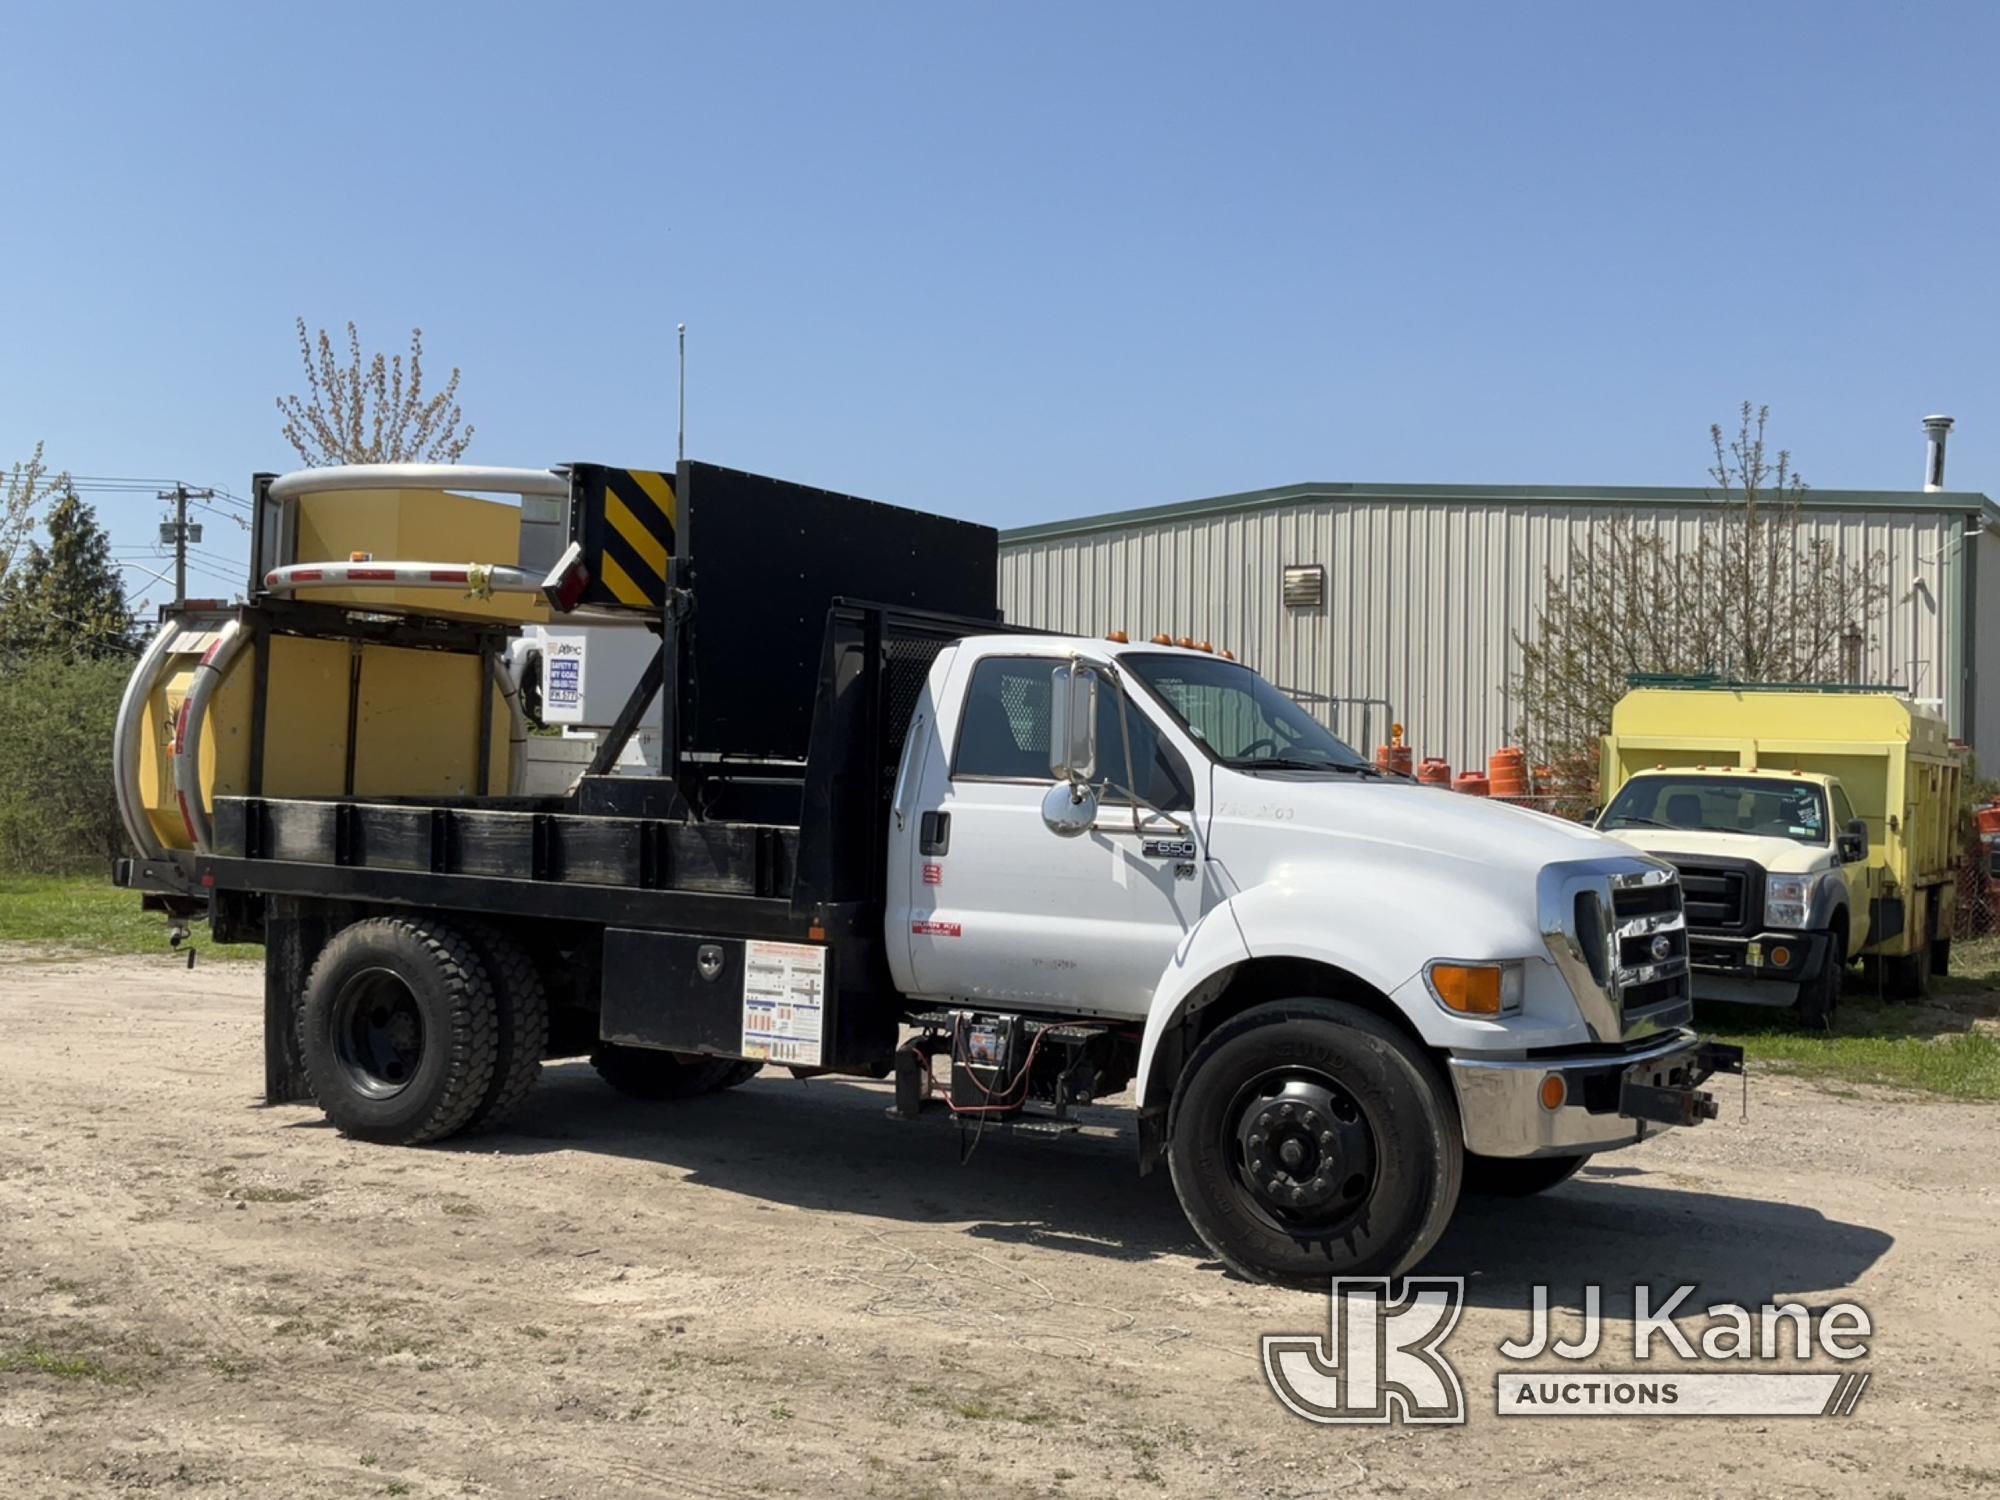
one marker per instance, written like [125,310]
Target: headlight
[1475,989]
[1787,898]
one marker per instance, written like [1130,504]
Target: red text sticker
[935,929]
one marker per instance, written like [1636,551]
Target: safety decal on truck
[784,1001]
[933,874]
[936,929]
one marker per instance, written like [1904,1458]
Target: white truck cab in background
[1349,991]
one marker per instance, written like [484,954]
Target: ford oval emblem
[1662,946]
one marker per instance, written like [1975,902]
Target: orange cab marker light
[1162,639]
[1119,637]
[1554,1092]
[1469,989]
[816,932]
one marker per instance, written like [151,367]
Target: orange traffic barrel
[1472,784]
[1989,818]
[1507,770]
[1434,771]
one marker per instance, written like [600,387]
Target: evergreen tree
[64,597]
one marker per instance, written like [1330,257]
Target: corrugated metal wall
[1424,601]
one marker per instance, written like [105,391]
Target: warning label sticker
[784,1001]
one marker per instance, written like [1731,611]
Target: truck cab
[1812,824]
[1775,874]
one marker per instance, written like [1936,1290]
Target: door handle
[934,833]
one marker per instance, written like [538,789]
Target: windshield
[1239,717]
[1721,804]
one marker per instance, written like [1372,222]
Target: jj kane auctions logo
[1382,1359]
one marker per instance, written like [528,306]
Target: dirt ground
[777,1291]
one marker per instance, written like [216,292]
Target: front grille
[1715,898]
[1649,936]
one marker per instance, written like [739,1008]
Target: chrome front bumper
[1609,1099]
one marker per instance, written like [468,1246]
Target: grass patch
[33,1359]
[79,914]
[1930,1049]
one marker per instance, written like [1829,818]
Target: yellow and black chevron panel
[625,520]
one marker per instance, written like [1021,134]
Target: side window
[1162,779]
[1004,731]
[1843,810]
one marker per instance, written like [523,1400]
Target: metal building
[1402,602]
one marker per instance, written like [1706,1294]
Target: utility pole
[681,444]
[178,533]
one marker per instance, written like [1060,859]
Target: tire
[1819,998]
[658,1077]
[521,1002]
[1909,977]
[739,1072]
[1365,1102]
[398,1030]
[1518,1177]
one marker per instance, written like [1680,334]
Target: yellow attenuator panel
[415,526]
[416,726]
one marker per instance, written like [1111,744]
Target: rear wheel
[521,1005]
[650,1074]
[1307,1139]
[398,1030]
[1518,1177]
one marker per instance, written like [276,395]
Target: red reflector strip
[209,655]
[371,575]
[449,575]
[208,878]
[186,817]
[180,726]
[305,575]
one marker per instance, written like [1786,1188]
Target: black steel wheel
[1311,1138]
[398,1030]
[1518,1176]
[1305,1155]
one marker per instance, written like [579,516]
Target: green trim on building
[1969,502]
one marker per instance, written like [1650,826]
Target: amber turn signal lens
[1554,1092]
[1782,957]
[1472,990]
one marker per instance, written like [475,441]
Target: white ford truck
[1018,873]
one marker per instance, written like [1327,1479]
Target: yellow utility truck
[1811,826]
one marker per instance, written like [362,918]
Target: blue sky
[1015,262]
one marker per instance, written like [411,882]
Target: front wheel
[1308,1139]
[1819,996]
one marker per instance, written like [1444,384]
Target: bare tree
[1754,598]
[375,414]
[27,486]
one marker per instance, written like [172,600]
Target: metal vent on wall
[1305,585]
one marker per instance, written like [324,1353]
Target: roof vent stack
[1936,430]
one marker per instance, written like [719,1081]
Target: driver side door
[1009,912]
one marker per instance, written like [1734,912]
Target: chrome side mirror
[1073,724]
[1070,808]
